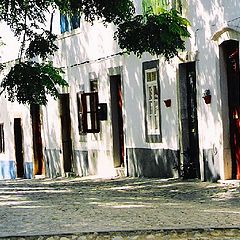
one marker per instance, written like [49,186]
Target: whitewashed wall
[207,18]
[91,49]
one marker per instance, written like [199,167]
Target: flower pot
[207,99]
[167,102]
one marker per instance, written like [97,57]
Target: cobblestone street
[127,208]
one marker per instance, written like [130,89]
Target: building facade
[124,115]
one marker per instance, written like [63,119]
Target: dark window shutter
[80,112]
[75,21]
[90,120]
[2,143]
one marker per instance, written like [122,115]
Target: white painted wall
[9,112]
[208,17]
[91,49]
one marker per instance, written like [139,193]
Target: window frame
[150,136]
[69,23]
[88,111]
[2,140]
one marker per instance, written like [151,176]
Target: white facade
[90,53]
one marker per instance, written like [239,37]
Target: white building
[157,118]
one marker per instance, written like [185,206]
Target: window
[67,23]
[80,113]
[88,112]
[94,85]
[152,101]
[2,143]
[155,5]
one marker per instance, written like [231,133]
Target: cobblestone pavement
[119,209]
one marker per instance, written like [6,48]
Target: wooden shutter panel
[2,144]
[90,120]
[80,112]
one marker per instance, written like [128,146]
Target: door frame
[230,163]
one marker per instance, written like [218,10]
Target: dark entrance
[117,120]
[37,140]
[230,50]
[66,132]
[188,121]
[18,147]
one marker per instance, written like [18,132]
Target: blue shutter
[64,24]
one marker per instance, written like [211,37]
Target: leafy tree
[159,34]
[159,31]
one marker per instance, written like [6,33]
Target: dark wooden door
[231,56]
[66,132]
[37,140]
[117,120]
[189,122]
[18,140]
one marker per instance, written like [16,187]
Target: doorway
[18,141]
[189,143]
[66,132]
[230,59]
[117,120]
[37,140]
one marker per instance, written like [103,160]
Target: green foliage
[162,34]
[108,11]
[158,32]
[42,45]
[153,6]
[31,82]
[14,12]
[23,15]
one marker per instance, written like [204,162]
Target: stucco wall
[91,50]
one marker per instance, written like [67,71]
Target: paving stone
[82,238]
[65,238]
[50,238]
[46,207]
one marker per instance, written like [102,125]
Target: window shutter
[90,120]
[80,112]
[75,21]
[2,142]
[64,25]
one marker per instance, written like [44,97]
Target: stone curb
[159,234]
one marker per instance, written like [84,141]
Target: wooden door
[231,58]
[37,140]
[18,140]
[66,132]
[117,120]
[189,144]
